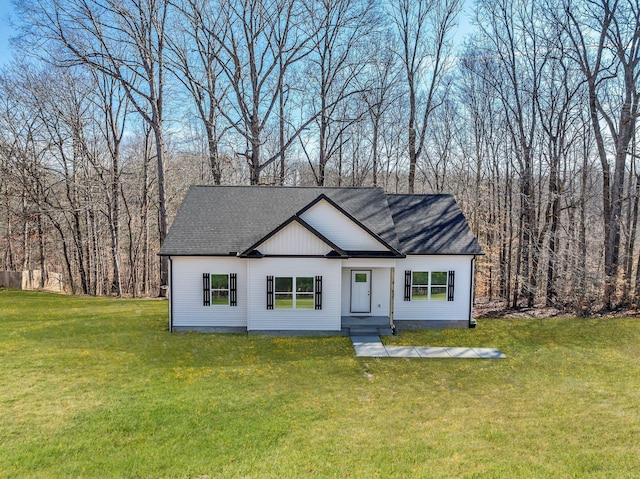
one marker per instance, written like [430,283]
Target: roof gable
[294,237]
[342,228]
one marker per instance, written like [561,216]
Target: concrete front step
[369,331]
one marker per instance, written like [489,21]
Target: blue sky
[6,9]
[5,32]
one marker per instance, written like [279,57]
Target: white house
[318,260]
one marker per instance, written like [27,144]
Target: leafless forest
[113,108]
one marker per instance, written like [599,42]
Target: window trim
[231,289]
[448,285]
[294,292]
[227,289]
[421,285]
[281,293]
[315,295]
[444,285]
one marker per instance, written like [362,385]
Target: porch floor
[371,347]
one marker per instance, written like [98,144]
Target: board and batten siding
[294,239]
[340,229]
[262,319]
[456,310]
[187,297]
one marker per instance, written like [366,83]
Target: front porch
[365,325]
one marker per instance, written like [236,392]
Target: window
[284,293]
[301,292]
[294,293]
[304,293]
[420,286]
[429,286]
[219,289]
[438,286]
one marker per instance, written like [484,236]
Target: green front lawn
[98,388]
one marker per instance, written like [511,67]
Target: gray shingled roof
[431,224]
[219,220]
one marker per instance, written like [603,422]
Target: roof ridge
[418,194]
[291,187]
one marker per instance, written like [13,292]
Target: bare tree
[196,61]
[382,73]
[23,166]
[112,103]
[510,33]
[125,41]
[337,61]
[424,32]
[559,111]
[605,40]
[260,41]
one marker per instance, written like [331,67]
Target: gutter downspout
[472,322]
[170,295]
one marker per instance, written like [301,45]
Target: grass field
[98,388]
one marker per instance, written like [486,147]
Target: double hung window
[294,292]
[429,285]
[438,286]
[219,289]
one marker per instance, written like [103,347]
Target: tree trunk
[630,249]
[114,226]
[162,210]
[43,271]
[413,157]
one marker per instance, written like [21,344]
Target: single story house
[318,261]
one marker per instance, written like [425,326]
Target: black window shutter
[318,294]
[452,275]
[206,290]
[233,289]
[269,292]
[407,285]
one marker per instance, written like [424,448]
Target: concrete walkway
[372,347]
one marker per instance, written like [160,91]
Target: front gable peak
[341,228]
[292,238]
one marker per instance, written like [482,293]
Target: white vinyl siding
[339,229]
[186,292]
[187,300]
[294,239]
[261,318]
[456,310]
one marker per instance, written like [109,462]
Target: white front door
[360,291]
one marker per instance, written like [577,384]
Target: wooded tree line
[114,107]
